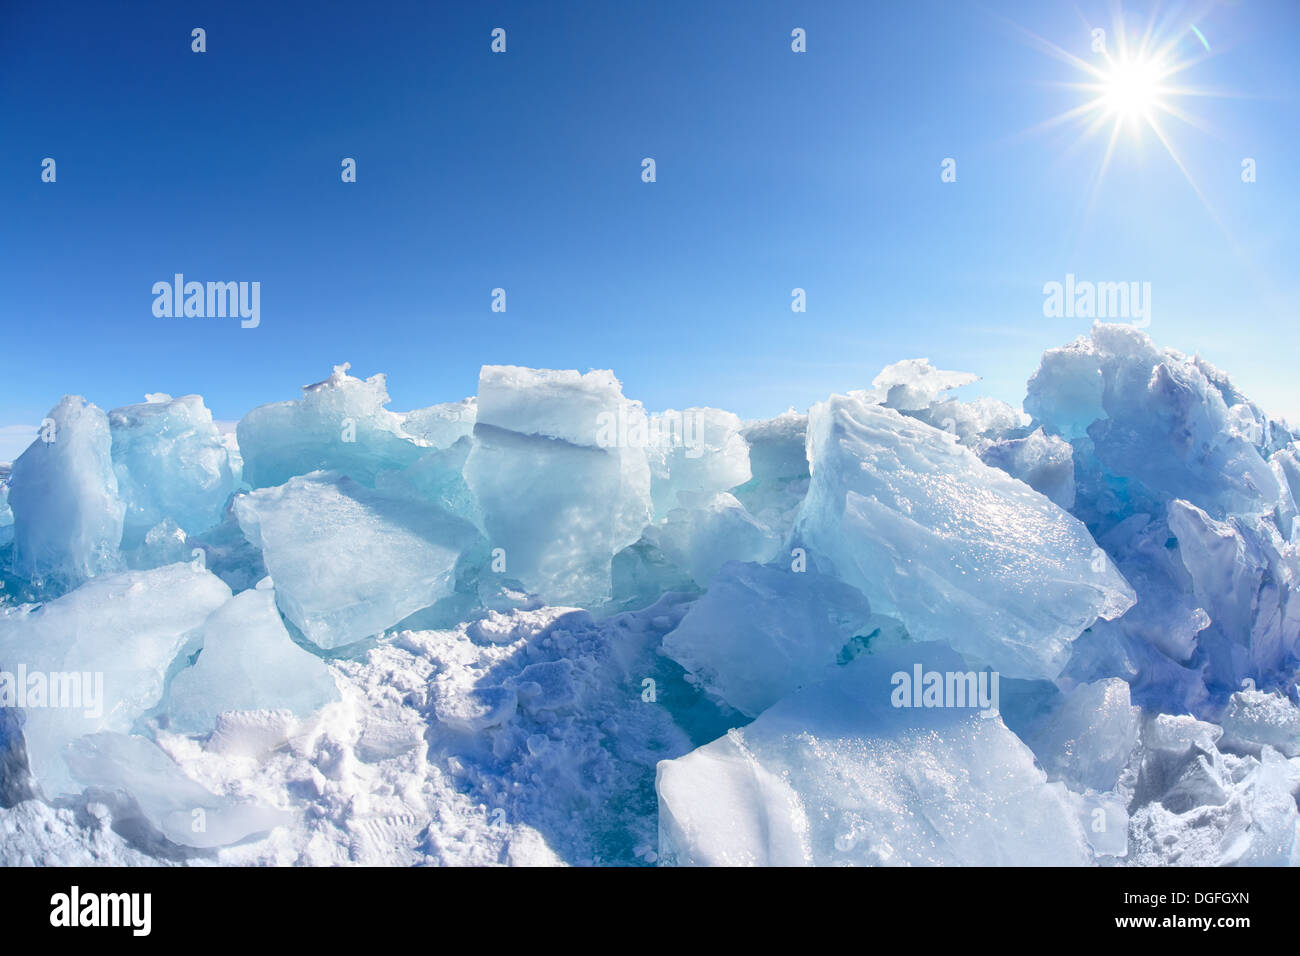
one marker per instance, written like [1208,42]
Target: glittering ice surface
[957,550]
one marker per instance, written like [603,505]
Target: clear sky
[523,170]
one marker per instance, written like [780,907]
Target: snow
[180,809]
[1198,806]
[400,770]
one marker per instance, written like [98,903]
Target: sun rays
[1135,85]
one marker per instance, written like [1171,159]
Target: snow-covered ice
[542,625]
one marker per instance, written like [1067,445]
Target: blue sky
[775,170]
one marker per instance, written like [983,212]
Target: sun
[1133,86]
[1131,90]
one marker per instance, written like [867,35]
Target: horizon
[16,439]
